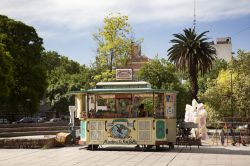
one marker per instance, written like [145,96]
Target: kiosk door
[145,131]
[96,131]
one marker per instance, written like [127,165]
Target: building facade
[223,48]
[137,59]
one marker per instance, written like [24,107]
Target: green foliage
[183,97]
[105,76]
[162,75]
[57,91]
[148,106]
[241,83]
[217,95]
[229,93]
[159,73]
[25,47]
[64,76]
[115,45]
[51,60]
[6,74]
[212,117]
[192,53]
[217,66]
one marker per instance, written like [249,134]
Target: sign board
[170,106]
[123,96]
[72,108]
[124,74]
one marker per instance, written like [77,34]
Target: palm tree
[192,53]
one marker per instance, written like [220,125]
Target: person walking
[222,137]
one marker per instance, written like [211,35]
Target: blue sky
[66,26]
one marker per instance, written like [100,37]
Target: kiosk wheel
[158,147]
[149,146]
[92,147]
[171,145]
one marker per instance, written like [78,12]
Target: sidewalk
[78,155]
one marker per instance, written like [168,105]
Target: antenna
[194,21]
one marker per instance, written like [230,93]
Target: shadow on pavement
[181,149]
[131,148]
[217,150]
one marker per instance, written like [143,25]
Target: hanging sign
[124,74]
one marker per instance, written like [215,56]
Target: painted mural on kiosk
[119,132]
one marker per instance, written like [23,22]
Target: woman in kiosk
[142,112]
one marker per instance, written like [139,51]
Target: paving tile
[206,155]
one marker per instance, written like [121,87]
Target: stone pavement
[79,156]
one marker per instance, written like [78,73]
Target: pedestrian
[222,137]
[233,137]
[142,111]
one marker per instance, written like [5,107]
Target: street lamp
[231,97]
[72,112]
[231,100]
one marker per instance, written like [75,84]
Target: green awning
[124,90]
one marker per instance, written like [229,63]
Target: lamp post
[231,100]
[231,105]
[72,112]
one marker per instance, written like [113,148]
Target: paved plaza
[78,155]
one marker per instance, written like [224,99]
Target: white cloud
[47,34]
[221,9]
[67,25]
[78,14]
[52,17]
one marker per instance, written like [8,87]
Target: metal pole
[72,111]
[231,100]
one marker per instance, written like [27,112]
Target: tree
[25,47]
[114,42]
[64,76]
[228,95]
[217,96]
[159,73]
[6,74]
[241,84]
[115,45]
[162,75]
[192,52]
[51,60]
[217,66]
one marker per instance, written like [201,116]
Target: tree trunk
[111,60]
[194,87]
[193,80]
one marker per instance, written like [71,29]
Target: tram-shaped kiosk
[126,113]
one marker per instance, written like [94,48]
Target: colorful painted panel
[170,105]
[119,131]
[160,129]
[83,130]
